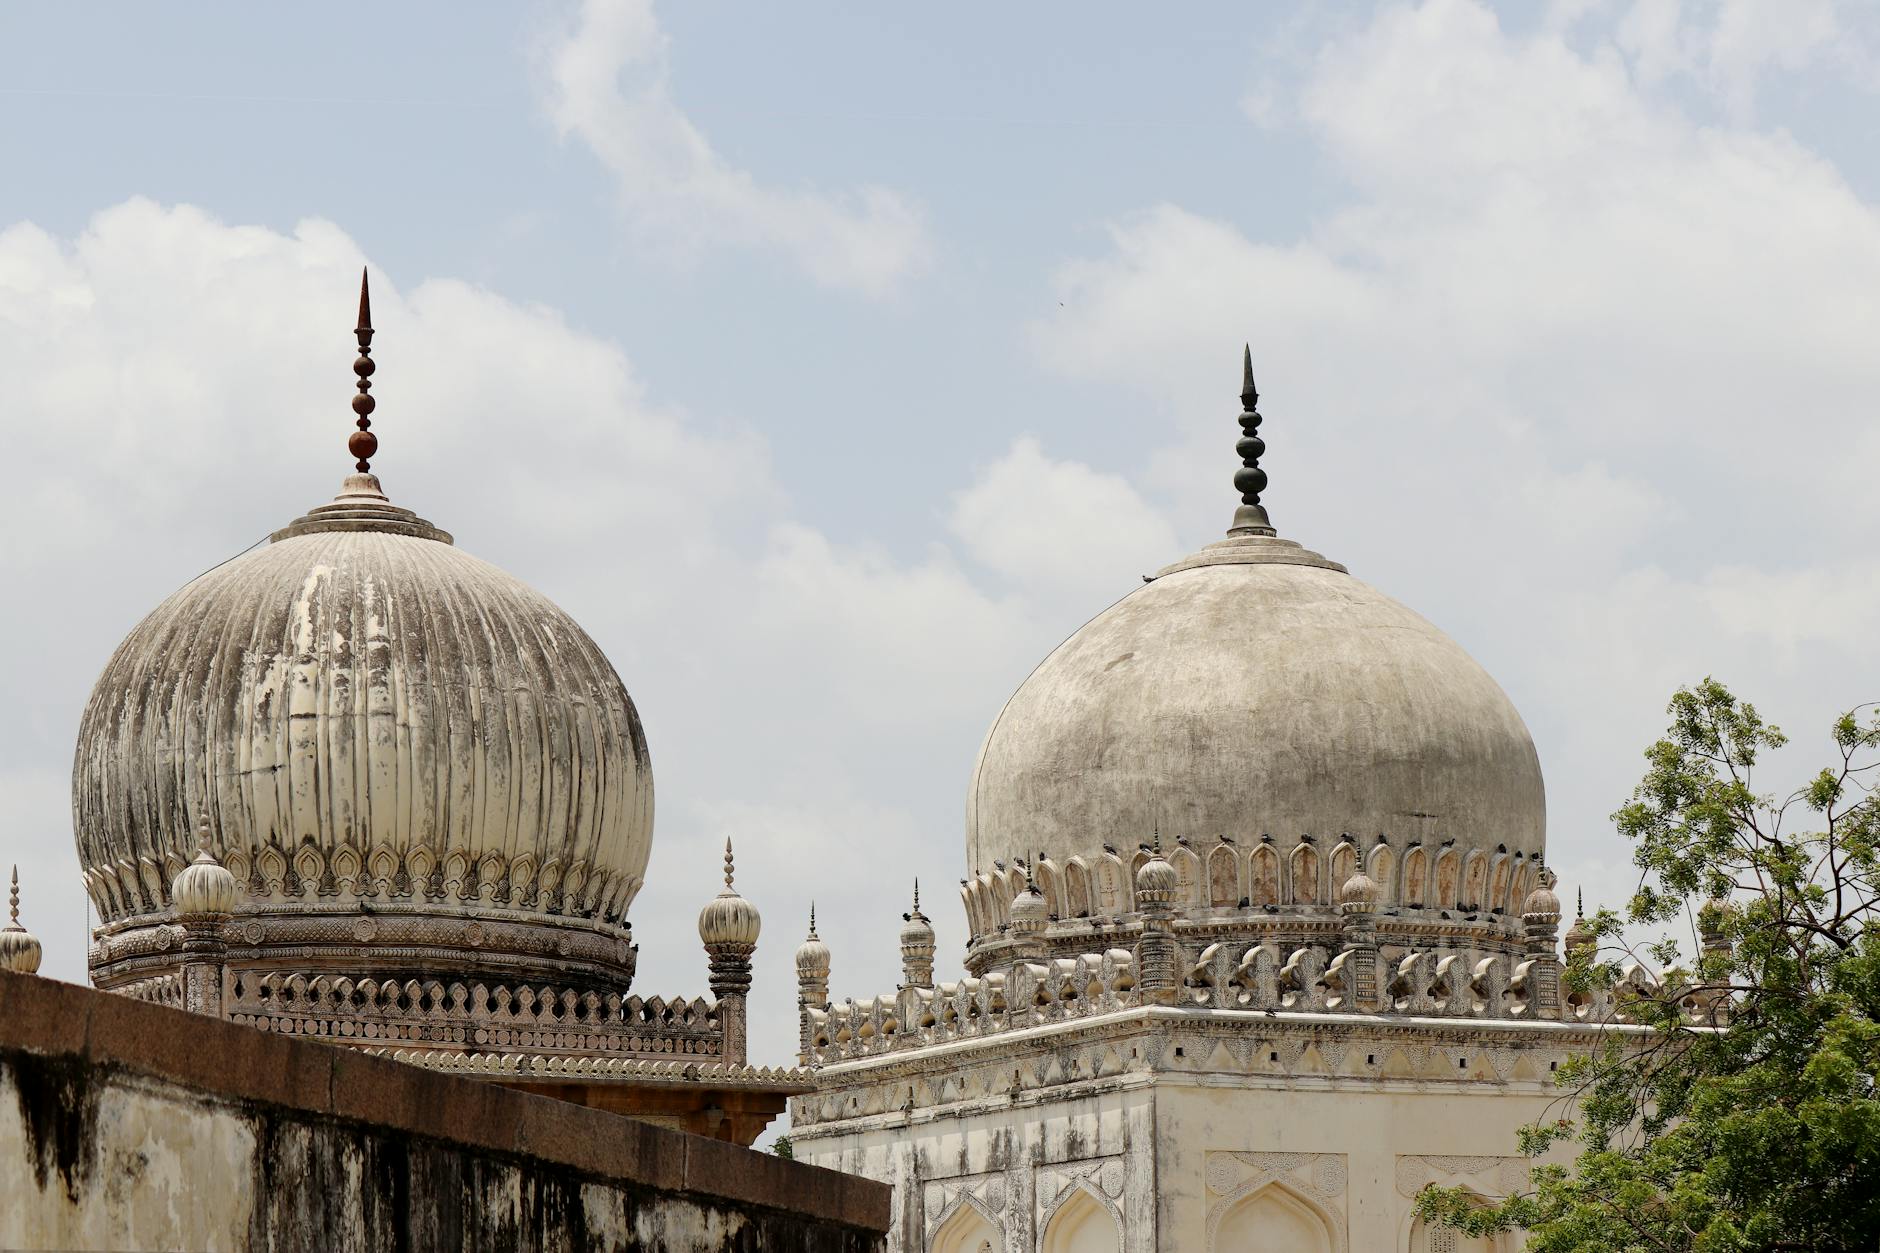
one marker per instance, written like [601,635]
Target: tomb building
[1262,937]
[358,785]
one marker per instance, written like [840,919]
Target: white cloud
[1583,379]
[1057,525]
[1731,46]
[607,84]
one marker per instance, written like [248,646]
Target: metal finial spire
[13,903]
[812,920]
[730,869]
[363,443]
[1579,906]
[917,895]
[1250,479]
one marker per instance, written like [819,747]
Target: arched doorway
[1082,1224]
[1273,1220]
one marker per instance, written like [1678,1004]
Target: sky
[830,364]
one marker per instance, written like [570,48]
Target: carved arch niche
[1082,1223]
[1076,889]
[968,1229]
[1273,1219]
[1483,1176]
[1276,1202]
[1113,895]
[1223,876]
[1264,872]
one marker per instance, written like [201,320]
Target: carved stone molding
[422,873]
[1489,1176]
[526,1019]
[449,943]
[1318,1178]
[1101,1177]
[989,1193]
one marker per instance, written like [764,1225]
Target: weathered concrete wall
[132,1126]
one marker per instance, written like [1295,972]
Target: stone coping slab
[240,1064]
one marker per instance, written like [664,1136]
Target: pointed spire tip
[365,302]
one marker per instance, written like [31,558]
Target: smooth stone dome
[365,712]
[1254,688]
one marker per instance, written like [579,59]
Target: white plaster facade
[1189,1130]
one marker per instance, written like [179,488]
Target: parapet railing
[159,990]
[1028,994]
[1431,984]
[525,1019]
[636,1069]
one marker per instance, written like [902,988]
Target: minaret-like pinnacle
[917,897]
[812,920]
[19,948]
[363,443]
[1250,479]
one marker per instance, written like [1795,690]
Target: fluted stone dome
[728,921]
[812,956]
[1030,912]
[376,725]
[916,932]
[1255,688]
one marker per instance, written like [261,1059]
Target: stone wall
[135,1126]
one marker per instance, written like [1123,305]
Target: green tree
[1741,1112]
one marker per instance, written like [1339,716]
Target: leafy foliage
[1741,1113]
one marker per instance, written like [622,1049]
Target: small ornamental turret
[917,946]
[1540,915]
[1357,903]
[812,981]
[1580,935]
[1358,895]
[19,948]
[728,926]
[203,894]
[1713,928]
[1157,886]
[1031,914]
[204,887]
